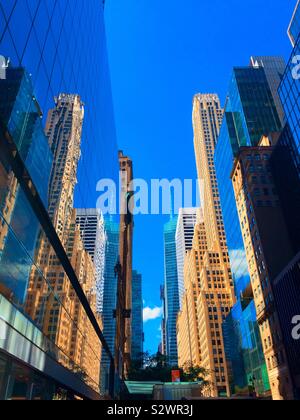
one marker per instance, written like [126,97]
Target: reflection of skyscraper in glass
[59,53]
[289,91]
[21,116]
[184,242]
[69,329]
[250,112]
[171,290]
[92,231]
[137,337]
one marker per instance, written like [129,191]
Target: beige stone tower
[209,266]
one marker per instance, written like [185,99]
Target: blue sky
[161,53]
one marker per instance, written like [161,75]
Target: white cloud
[151,314]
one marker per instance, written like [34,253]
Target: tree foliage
[157,368]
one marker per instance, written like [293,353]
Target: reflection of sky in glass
[36,35]
[224,163]
[289,92]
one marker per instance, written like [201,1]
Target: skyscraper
[289,92]
[184,242]
[216,289]
[137,337]
[171,290]
[274,68]
[112,235]
[124,269]
[294,26]
[268,250]
[92,231]
[285,166]
[250,112]
[52,60]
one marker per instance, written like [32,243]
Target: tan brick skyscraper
[208,264]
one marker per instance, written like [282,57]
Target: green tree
[155,368]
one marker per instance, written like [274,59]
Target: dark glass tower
[250,112]
[109,296]
[171,290]
[289,92]
[55,49]
[137,337]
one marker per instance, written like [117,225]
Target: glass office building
[109,296]
[171,290]
[294,28]
[50,53]
[289,91]
[137,338]
[244,351]
[250,112]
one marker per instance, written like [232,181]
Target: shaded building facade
[268,250]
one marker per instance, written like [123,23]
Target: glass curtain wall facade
[289,91]
[112,235]
[294,27]
[250,111]
[51,54]
[171,290]
[244,351]
[137,337]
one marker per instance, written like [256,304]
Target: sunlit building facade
[215,284]
[250,112]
